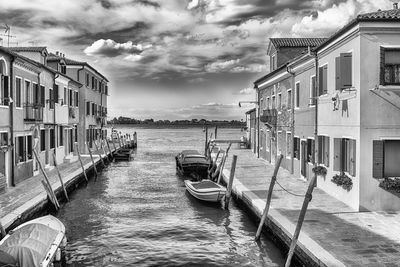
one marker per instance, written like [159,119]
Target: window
[36,97]
[63,69]
[65,96]
[272,62]
[297,95]
[51,98]
[312,91]
[343,71]
[106,89]
[386,158]
[20,150]
[268,103]
[390,66]
[273,102]
[288,144]
[323,80]
[42,140]
[87,80]
[42,96]
[310,150]
[18,93]
[28,98]
[4,89]
[3,139]
[323,150]
[61,136]
[52,139]
[344,155]
[93,109]
[76,99]
[87,108]
[289,99]
[92,82]
[279,101]
[71,100]
[76,133]
[30,147]
[296,143]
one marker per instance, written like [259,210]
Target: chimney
[395,6]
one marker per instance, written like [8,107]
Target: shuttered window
[296,143]
[4,92]
[297,95]
[42,95]
[289,99]
[323,80]
[344,159]
[76,99]
[51,99]
[87,108]
[390,66]
[386,158]
[36,96]
[42,140]
[343,71]
[18,86]
[56,93]
[312,91]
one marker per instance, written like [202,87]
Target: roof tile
[297,42]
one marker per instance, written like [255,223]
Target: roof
[297,42]
[391,15]
[39,49]
[250,111]
[272,73]
[68,61]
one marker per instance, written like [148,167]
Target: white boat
[206,190]
[34,243]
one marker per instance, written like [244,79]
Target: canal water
[138,213]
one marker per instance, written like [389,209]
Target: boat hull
[210,194]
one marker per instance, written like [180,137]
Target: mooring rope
[287,191]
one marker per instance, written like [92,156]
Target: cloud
[193,4]
[221,66]
[110,48]
[247,91]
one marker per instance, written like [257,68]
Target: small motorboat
[191,162]
[206,190]
[35,243]
[124,154]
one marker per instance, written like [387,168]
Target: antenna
[7,33]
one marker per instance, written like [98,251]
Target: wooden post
[108,145]
[59,177]
[303,211]
[221,170]
[104,151]
[269,196]
[115,148]
[206,142]
[91,157]
[119,140]
[98,152]
[135,138]
[48,184]
[130,141]
[50,194]
[216,131]
[216,157]
[230,184]
[80,160]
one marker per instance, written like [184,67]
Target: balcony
[269,116]
[33,112]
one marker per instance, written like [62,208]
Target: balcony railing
[33,112]
[269,116]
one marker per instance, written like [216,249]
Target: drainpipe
[84,111]
[316,146]
[56,134]
[11,110]
[292,73]
[258,120]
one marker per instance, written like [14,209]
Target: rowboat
[35,243]
[205,190]
[190,162]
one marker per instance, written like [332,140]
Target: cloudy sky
[176,59]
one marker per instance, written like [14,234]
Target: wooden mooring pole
[60,178]
[80,160]
[221,169]
[46,183]
[230,183]
[104,150]
[115,147]
[216,132]
[98,152]
[269,196]
[303,211]
[108,145]
[91,157]
[206,142]
[119,140]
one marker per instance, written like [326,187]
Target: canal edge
[307,252]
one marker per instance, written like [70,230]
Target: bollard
[46,183]
[98,152]
[230,184]
[303,211]
[269,196]
[94,164]
[59,177]
[80,160]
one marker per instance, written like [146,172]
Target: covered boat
[206,190]
[191,162]
[34,243]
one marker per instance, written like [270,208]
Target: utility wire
[291,193]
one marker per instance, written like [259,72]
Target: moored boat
[191,162]
[124,154]
[206,190]
[35,243]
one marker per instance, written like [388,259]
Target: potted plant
[343,180]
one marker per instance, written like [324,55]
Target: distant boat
[124,154]
[206,190]
[34,243]
[191,162]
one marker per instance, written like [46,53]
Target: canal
[138,213]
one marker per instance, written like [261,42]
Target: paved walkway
[332,232]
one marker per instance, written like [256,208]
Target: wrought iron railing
[33,112]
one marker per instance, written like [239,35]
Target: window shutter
[352,157]
[320,144]
[326,151]
[377,158]
[320,81]
[6,87]
[338,75]
[55,93]
[325,79]
[346,70]
[337,145]
[382,67]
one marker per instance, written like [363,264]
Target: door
[303,158]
